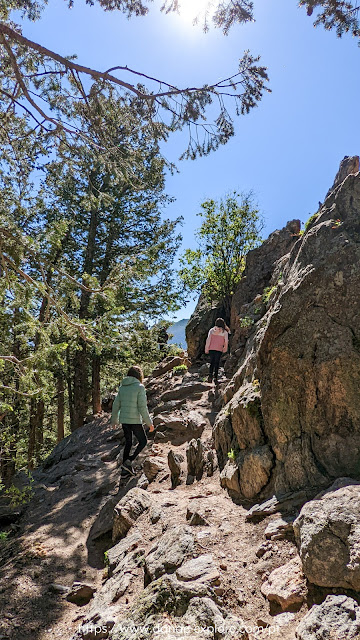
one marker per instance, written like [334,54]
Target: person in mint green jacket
[129,407]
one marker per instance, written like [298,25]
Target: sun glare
[190,10]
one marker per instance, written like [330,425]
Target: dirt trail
[53,543]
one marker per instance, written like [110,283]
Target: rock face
[292,416]
[338,617]
[348,166]
[328,535]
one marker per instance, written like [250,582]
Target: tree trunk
[8,464]
[39,426]
[60,406]
[81,386]
[81,360]
[32,434]
[96,395]
[36,434]
[69,387]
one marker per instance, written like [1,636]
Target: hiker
[129,407]
[216,344]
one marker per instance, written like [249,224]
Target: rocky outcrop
[338,617]
[292,418]
[328,535]
[348,166]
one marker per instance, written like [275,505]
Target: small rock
[229,477]
[201,568]
[264,548]
[143,482]
[155,514]
[58,588]
[195,516]
[174,462]
[152,466]
[279,529]
[80,593]
[286,585]
[262,624]
[121,549]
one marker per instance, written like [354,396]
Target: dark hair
[136,372]
[220,323]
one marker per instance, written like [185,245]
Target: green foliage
[19,496]
[310,221]
[245,322]
[4,536]
[233,453]
[175,350]
[181,368]
[229,229]
[267,293]
[106,559]
[332,14]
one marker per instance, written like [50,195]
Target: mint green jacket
[130,404]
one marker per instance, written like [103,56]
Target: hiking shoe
[127,468]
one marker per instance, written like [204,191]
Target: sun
[190,10]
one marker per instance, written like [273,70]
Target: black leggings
[140,435]
[214,362]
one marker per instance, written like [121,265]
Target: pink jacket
[217,340]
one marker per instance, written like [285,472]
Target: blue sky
[287,150]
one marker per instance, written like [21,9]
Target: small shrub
[309,222]
[232,455]
[19,496]
[181,368]
[267,293]
[246,322]
[175,350]
[4,536]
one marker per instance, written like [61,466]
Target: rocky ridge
[291,411]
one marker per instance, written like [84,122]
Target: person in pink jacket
[216,344]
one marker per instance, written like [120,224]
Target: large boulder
[302,359]
[327,532]
[338,618]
